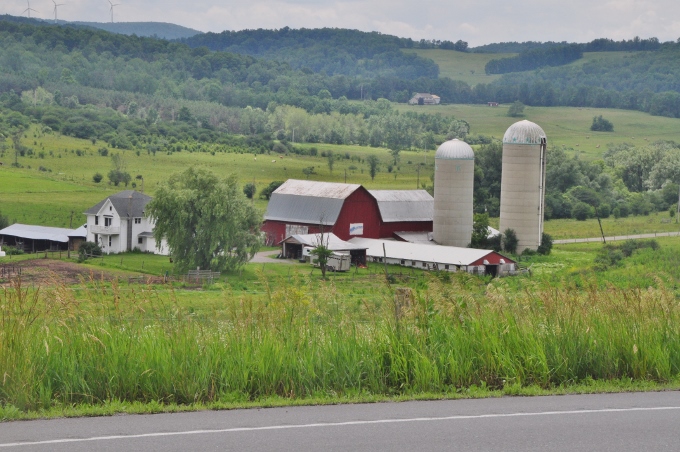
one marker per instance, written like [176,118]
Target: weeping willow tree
[207,221]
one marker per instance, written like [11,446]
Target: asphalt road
[616,422]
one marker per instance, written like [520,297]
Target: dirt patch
[40,272]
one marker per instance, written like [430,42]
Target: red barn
[404,211]
[346,210]
[304,207]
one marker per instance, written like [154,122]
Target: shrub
[516,109]
[546,244]
[600,124]
[13,251]
[249,190]
[88,249]
[510,241]
[97,178]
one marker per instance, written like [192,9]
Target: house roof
[308,202]
[128,204]
[450,255]
[80,232]
[330,240]
[404,205]
[32,232]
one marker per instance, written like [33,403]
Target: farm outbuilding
[298,246]
[436,257]
[31,238]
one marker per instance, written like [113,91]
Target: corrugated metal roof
[454,150]
[524,132]
[447,255]
[332,241]
[424,238]
[317,189]
[128,204]
[303,209]
[28,231]
[404,205]
[80,232]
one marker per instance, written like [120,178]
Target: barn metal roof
[80,232]
[308,202]
[317,189]
[32,232]
[454,150]
[524,132]
[332,241]
[450,255]
[128,204]
[404,205]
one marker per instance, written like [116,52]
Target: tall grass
[296,342]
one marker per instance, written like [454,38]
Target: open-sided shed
[33,238]
[292,247]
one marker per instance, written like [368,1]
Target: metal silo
[523,183]
[454,172]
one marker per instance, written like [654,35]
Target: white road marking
[335,424]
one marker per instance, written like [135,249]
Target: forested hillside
[161,30]
[327,50]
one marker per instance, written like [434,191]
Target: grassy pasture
[469,67]
[564,126]
[565,325]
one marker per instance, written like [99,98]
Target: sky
[476,22]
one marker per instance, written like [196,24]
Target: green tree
[97,178]
[601,124]
[546,244]
[249,190]
[510,241]
[207,221]
[480,231]
[330,157]
[4,221]
[267,191]
[373,163]
[322,253]
[516,109]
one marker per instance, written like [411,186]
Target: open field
[565,126]
[469,67]
[569,324]
[466,67]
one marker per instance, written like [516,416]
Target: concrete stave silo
[453,193]
[523,183]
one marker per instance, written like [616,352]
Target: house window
[107,221]
[140,240]
[446,267]
[109,240]
[138,221]
[96,220]
[413,263]
[424,264]
[403,262]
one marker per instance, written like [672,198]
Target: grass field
[469,67]
[565,126]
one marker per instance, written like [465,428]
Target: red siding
[359,207]
[493,258]
[387,230]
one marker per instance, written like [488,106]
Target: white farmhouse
[119,223]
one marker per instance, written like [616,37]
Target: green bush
[546,244]
[88,249]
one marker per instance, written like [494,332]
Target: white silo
[523,183]
[454,173]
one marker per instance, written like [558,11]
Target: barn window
[403,262]
[413,263]
[424,264]
[446,267]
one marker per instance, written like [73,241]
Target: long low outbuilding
[437,257]
[32,238]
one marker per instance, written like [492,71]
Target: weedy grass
[301,340]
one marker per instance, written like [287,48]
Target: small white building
[119,224]
[424,99]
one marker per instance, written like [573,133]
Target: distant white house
[424,99]
[119,223]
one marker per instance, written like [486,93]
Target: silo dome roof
[455,150]
[524,132]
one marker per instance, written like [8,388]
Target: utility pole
[678,212]
[345,175]
[418,180]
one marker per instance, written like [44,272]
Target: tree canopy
[207,221]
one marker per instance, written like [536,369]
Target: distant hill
[161,30]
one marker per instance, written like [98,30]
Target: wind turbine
[55,9]
[29,9]
[112,5]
